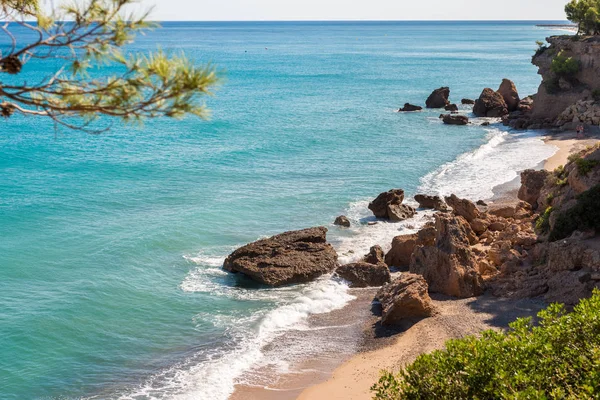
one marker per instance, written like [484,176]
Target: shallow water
[111,245]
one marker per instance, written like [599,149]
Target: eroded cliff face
[556,93]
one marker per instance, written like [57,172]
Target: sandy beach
[567,144]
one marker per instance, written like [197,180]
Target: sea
[111,244]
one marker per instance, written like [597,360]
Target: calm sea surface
[111,245]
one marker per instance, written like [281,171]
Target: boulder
[467,101]
[438,98]
[431,202]
[405,297]
[532,183]
[375,256]
[506,211]
[364,274]
[410,107]
[449,265]
[287,258]
[451,107]
[401,251]
[509,93]
[342,220]
[490,104]
[388,205]
[463,207]
[450,119]
[479,225]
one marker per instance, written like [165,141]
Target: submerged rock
[438,98]
[405,297]
[467,101]
[290,257]
[451,107]
[410,107]
[342,220]
[450,119]
[490,104]
[388,205]
[364,274]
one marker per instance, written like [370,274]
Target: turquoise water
[110,245]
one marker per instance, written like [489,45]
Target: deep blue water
[110,245]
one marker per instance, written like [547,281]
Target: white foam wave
[215,376]
[473,175]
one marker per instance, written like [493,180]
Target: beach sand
[567,143]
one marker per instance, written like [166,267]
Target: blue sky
[201,10]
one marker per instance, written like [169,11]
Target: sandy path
[457,318]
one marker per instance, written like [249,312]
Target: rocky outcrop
[532,182]
[287,258]
[583,112]
[452,119]
[405,297]
[556,93]
[463,207]
[401,251]
[342,220]
[451,108]
[509,93]
[438,98]
[388,205]
[448,265]
[375,256]
[410,107]
[490,104]
[467,101]
[431,202]
[364,274]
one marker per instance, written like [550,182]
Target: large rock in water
[388,205]
[509,93]
[410,107]
[532,182]
[438,98]
[449,266]
[434,202]
[363,274]
[405,297]
[450,119]
[290,257]
[375,255]
[490,104]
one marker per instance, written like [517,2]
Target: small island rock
[450,119]
[438,98]
[410,107]
[342,220]
[388,205]
[509,93]
[490,104]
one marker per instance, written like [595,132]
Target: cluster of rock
[496,104]
[388,205]
[583,112]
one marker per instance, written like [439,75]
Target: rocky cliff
[561,88]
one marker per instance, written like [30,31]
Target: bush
[558,359]
[542,223]
[583,216]
[564,66]
[541,48]
[596,94]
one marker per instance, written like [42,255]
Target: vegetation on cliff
[585,215]
[559,358]
[586,14]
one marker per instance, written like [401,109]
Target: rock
[509,93]
[364,274]
[401,251]
[485,123]
[431,202]
[463,207]
[481,203]
[502,252]
[449,266]
[490,104]
[503,211]
[342,220]
[450,119]
[531,184]
[388,205]
[467,101]
[438,98]
[479,225]
[497,226]
[451,107]
[290,257]
[409,107]
[375,256]
[405,297]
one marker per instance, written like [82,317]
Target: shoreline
[350,374]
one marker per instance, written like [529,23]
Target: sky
[235,10]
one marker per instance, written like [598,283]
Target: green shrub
[596,94]
[583,216]
[564,66]
[541,48]
[557,359]
[542,224]
[585,166]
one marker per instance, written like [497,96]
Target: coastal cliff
[561,88]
